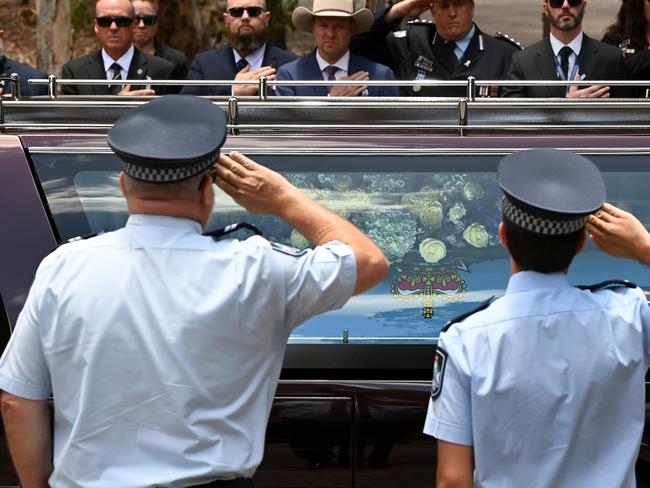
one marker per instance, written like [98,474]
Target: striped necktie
[117,75]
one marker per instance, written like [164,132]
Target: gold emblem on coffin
[425,282]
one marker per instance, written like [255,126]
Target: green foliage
[81,15]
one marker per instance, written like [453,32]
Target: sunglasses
[119,21]
[147,20]
[559,3]
[239,11]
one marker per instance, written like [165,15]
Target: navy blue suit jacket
[9,66]
[219,64]
[306,68]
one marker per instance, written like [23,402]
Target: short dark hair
[539,252]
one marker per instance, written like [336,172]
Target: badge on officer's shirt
[439,364]
[291,251]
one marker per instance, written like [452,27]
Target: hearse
[417,175]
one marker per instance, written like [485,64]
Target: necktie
[117,75]
[240,65]
[565,52]
[330,74]
[451,45]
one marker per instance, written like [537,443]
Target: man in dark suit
[247,56]
[9,66]
[452,48]
[118,59]
[145,39]
[568,54]
[333,22]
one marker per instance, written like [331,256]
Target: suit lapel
[545,63]
[228,63]
[313,72]
[443,56]
[139,68]
[471,57]
[356,64]
[96,71]
[588,57]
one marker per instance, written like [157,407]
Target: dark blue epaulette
[509,39]
[219,233]
[608,284]
[463,316]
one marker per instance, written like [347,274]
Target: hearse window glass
[435,219]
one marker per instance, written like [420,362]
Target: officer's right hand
[619,233]
[253,186]
[248,74]
[408,9]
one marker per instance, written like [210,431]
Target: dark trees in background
[181,26]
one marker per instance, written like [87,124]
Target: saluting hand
[348,90]
[248,74]
[619,233]
[408,9]
[258,189]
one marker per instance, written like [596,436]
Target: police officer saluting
[161,346]
[451,48]
[545,385]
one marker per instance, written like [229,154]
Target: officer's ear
[581,243]
[123,184]
[205,189]
[503,239]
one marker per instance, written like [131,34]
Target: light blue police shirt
[547,385]
[162,349]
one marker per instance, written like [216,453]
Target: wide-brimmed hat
[303,18]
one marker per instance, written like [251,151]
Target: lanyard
[560,73]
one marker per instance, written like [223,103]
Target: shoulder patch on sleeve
[439,365]
[284,249]
[463,316]
[399,34]
[509,39]
[608,284]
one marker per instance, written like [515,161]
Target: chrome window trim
[356,151]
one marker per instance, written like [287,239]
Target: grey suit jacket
[91,67]
[598,61]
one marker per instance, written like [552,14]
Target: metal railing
[274,114]
[472,85]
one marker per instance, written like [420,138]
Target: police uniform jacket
[485,58]
[546,385]
[598,61]
[91,67]
[162,348]
[637,58]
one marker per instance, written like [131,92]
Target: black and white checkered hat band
[541,225]
[167,175]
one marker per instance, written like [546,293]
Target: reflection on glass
[438,229]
